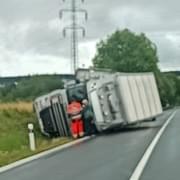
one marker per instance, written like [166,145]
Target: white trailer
[123,99]
[139,96]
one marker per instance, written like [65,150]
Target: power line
[74,28]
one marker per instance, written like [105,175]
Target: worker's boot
[75,136]
[81,134]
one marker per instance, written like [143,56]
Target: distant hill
[5,81]
[29,87]
[173,72]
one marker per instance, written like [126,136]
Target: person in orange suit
[74,110]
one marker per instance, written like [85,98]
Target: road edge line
[42,154]
[144,160]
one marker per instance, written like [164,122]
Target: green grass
[14,136]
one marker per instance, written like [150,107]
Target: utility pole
[74,28]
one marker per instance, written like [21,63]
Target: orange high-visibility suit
[74,110]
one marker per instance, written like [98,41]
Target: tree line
[30,88]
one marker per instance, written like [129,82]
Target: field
[14,118]
[18,106]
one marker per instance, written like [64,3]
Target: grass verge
[14,144]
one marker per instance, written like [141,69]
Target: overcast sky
[31,41]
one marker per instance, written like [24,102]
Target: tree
[167,88]
[172,88]
[126,51]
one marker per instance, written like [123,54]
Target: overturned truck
[117,99]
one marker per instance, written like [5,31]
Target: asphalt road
[107,157]
[164,163]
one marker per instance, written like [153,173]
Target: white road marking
[144,160]
[40,155]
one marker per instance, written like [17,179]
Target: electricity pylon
[74,28]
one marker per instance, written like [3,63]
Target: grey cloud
[33,26]
[168,49]
[20,10]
